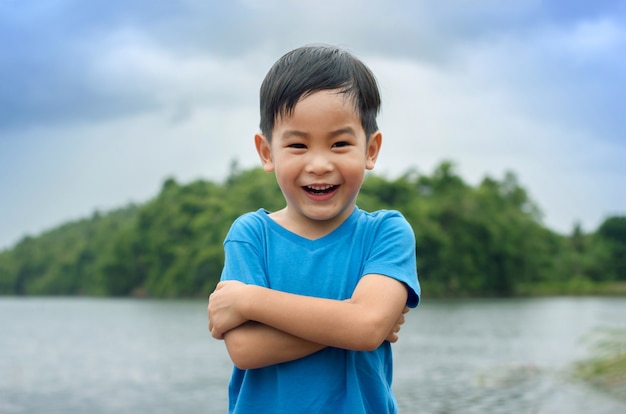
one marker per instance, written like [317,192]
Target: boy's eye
[297,146]
[340,144]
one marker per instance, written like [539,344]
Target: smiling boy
[312,295]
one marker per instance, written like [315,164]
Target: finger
[406,310]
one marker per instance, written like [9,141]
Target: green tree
[486,239]
[611,235]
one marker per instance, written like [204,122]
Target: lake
[67,355]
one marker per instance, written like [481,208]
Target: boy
[312,295]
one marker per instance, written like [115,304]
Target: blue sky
[101,101]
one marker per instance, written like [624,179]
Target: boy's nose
[318,164]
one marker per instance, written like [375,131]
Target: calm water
[142,356]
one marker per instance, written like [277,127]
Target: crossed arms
[261,326]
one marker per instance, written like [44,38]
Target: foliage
[486,239]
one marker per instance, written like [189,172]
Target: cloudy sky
[100,101]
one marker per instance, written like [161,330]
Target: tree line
[482,240]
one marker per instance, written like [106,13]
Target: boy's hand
[224,308]
[393,335]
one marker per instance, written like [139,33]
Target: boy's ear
[373,149]
[264,150]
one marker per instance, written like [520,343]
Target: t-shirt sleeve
[243,261]
[393,254]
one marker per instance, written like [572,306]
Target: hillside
[484,240]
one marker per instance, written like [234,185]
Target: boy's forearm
[254,345]
[361,323]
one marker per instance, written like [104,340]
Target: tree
[612,236]
[470,240]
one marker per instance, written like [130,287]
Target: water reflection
[501,356]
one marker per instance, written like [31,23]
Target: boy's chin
[322,215]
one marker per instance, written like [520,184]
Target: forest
[485,240]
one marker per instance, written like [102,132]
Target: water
[134,356]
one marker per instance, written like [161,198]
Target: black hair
[310,69]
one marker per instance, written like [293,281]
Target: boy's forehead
[327,100]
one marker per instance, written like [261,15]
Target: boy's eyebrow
[341,131]
[301,134]
[294,133]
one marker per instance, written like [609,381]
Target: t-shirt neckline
[344,229]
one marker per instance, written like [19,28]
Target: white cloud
[594,39]
[431,114]
[133,64]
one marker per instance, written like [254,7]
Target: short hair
[315,68]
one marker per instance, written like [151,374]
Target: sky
[101,101]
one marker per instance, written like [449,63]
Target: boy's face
[319,155]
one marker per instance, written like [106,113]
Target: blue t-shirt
[259,251]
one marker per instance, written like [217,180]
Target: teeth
[319,187]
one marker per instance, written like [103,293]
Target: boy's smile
[319,154]
[321,192]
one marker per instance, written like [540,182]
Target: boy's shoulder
[381,216]
[253,216]
[248,223]
[381,223]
